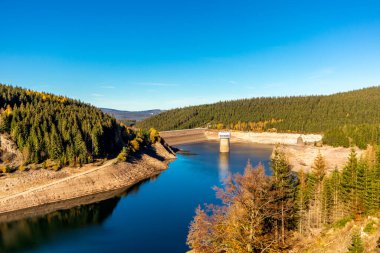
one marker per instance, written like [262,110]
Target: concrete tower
[224,142]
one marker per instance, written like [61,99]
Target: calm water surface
[152,217]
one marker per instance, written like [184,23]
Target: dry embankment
[267,138]
[25,190]
[177,137]
[300,156]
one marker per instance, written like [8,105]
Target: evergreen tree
[350,184]
[319,171]
[357,245]
[339,117]
[45,126]
[284,188]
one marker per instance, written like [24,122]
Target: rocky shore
[301,149]
[36,189]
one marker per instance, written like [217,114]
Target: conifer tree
[45,126]
[319,170]
[284,187]
[350,183]
[357,245]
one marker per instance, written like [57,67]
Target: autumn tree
[241,225]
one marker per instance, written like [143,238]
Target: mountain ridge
[345,118]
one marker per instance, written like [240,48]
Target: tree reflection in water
[31,232]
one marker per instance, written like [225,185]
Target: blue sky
[141,54]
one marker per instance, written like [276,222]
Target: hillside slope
[345,118]
[48,127]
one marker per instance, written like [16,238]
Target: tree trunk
[282,224]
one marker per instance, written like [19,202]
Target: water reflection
[22,234]
[224,165]
[154,217]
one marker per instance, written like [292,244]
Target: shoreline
[93,185]
[41,210]
[178,137]
[300,155]
[51,191]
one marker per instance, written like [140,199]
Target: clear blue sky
[141,54]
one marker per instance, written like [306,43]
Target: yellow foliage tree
[135,145]
[154,135]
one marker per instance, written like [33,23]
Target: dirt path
[41,187]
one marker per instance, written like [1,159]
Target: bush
[135,145]
[154,136]
[123,155]
[56,167]
[370,228]
[22,168]
[5,169]
[342,222]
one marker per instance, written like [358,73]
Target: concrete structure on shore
[224,142]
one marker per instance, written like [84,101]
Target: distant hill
[345,118]
[131,116]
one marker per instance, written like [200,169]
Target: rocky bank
[32,189]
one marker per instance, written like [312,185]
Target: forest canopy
[348,118]
[45,126]
[271,213]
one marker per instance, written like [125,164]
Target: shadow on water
[31,232]
[27,233]
[186,153]
[154,217]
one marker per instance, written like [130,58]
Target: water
[152,217]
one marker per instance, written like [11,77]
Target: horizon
[140,56]
[221,101]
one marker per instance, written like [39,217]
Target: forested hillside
[263,213]
[345,118]
[45,126]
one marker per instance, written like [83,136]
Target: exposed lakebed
[153,216]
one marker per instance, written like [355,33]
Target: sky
[145,54]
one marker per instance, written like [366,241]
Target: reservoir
[153,216]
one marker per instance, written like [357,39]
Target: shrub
[135,145]
[370,228]
[342,222]
[56,167]
[22,168]
[5,169]
[123,155]
[154,136]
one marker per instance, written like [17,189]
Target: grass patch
[370,228]
[342,222]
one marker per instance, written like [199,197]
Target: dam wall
[267,138]
[176,137]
